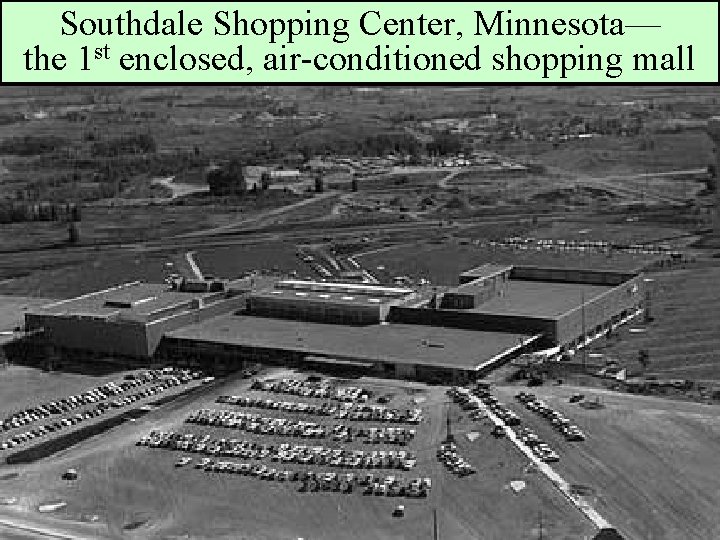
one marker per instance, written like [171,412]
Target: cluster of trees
[711,181]
[11,118]
[380,144]
[31,145]
[445,144]
[385,143]
[227,179]
[138,143]
[11,212]
[252,102]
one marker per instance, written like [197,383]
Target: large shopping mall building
[495,313]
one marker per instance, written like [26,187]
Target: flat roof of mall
[395,343]
[143,299]
[543,299]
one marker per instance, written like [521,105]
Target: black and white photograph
[359,312]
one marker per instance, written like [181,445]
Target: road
[193,265]
[444,182]
[258,220]
[622,185]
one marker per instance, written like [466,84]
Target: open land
[682,339]
[644,463]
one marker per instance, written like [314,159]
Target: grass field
[647,461]
[64,275]
[683,340]
[604,156]
[126,223]
[136,492]
[231,261]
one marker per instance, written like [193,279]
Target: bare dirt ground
[137,493]
[648,463]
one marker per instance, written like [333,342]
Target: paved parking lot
[151,489]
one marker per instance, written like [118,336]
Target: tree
[711,182]
[227,180]
[354,184]
[75,213]
[644,358]
[73,233]
[319,184]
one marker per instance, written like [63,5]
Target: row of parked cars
[564,425]
[396,487]
[313,481]
[253,423]
[313,389]
[448,455]
[324,409]
[348,410]
[379,413]
[374,435]
[387,435]
[468,400]
[307,455]
[101,407]
[294,387]
[352,394]
[539,447]
[598,246]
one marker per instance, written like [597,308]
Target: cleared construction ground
[683,338]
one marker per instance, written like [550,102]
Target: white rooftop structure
[345,288]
